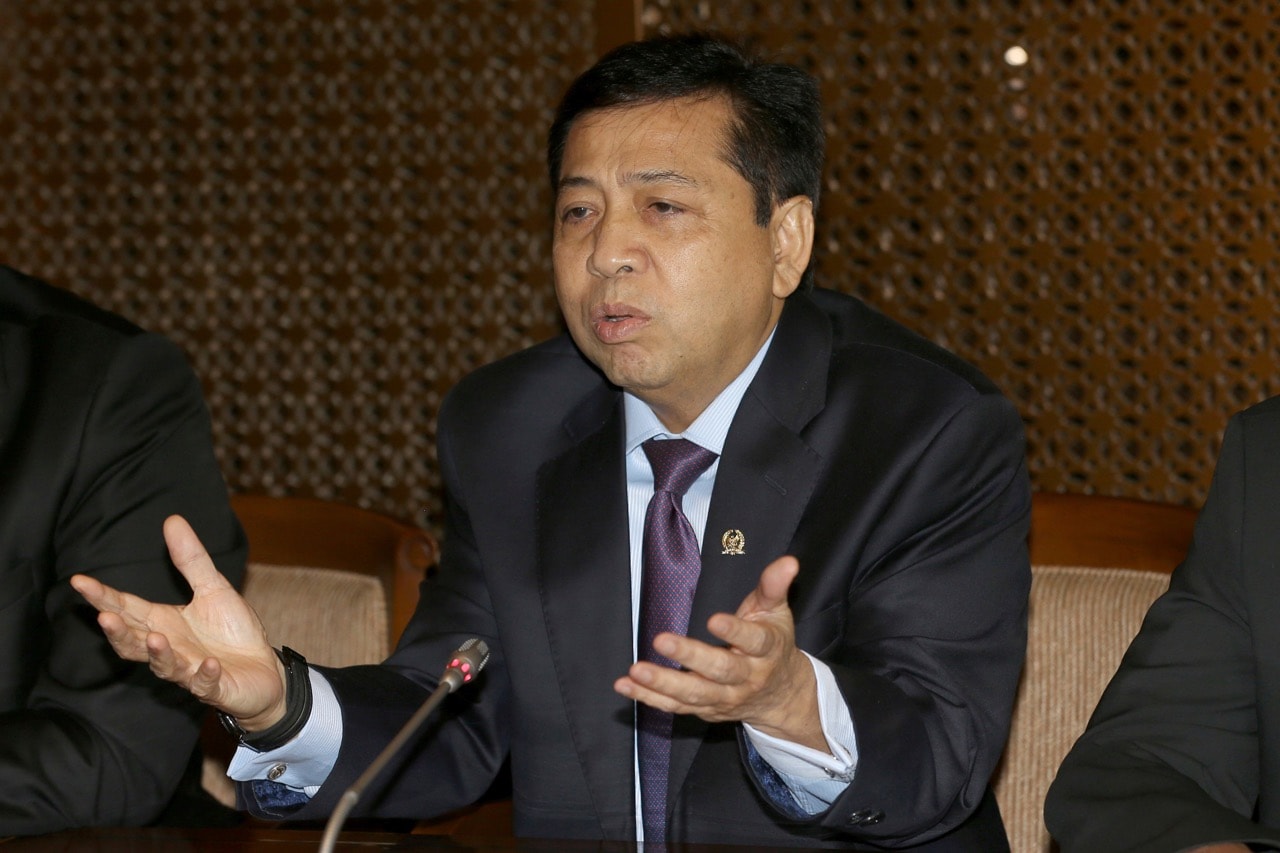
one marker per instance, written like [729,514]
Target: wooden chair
[1097,564]
[1106,532]
[335,582]
[305,532]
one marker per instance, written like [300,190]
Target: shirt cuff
[305,762]
[814,777]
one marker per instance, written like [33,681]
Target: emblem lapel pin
[733,543]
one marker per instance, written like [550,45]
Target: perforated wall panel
[1079,197]
[337,208]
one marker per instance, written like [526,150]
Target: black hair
[776,139]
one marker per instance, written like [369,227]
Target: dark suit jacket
[1184,747]
[103,433]
[891,469]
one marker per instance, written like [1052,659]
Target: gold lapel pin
[733,542]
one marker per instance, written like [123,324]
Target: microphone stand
[465,665]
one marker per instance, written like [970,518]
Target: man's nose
[618,249]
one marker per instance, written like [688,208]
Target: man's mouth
[616,323]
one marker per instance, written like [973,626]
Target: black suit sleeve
[459,751]
[102,741]
[1171,756]
[936,632]
[934,635]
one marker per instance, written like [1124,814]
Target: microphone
[464,666]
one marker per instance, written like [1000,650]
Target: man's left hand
[761,678]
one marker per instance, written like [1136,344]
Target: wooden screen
[1078,197]
[338,207]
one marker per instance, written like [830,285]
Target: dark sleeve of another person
[1170,759]
[100,741]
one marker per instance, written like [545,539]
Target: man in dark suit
[858,689]
[103,432]
[1181,752]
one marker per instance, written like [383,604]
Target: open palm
[215,646]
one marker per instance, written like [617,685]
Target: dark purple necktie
[671,566]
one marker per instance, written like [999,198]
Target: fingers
[121,616]
[753,638]
[750,634]
[753,629]
[93,591]
[137,643]
[126,622]
[165,661]
[189,555]
[751,695]
[126,643]
[770,594]
[675,691]
[724,666]
[201,681]
[154,649]
[713,683]
[747,679]
[124,611]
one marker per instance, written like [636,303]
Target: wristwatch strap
[297,708]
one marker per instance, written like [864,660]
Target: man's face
[665,279]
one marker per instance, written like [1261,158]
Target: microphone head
[466,663]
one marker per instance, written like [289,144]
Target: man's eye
[664,207]
[575,213]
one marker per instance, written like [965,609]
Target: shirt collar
[710,428]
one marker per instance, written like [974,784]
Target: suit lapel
[766,475]
[585,586]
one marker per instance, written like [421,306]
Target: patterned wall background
[1080,197]
[338,207]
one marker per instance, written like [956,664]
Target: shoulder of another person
[1264,415]
[1251,448]
[74,343]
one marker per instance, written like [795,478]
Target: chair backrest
[335,582]
[314,537]
[1097,565]
[1108,533]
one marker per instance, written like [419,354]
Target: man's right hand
[215,646]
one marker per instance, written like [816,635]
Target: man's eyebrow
[644,176]
[659,176]
[573,182]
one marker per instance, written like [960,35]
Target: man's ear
[792,230]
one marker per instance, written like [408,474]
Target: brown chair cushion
[1081,621]
[331,617]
